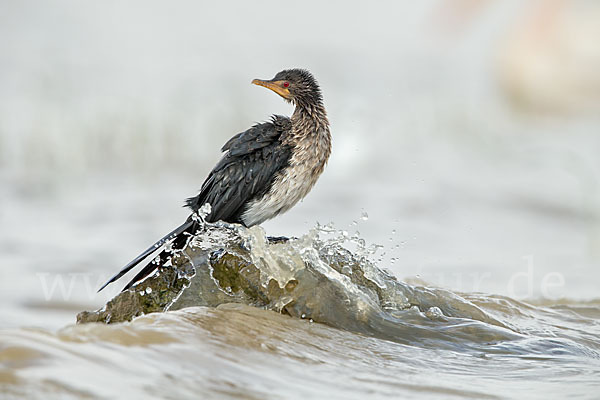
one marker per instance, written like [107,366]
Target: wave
[316,277]
[313,319]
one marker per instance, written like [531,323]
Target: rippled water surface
[238,351]
[374,338]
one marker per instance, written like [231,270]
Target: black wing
[246,171]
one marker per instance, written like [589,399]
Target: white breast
[306,165]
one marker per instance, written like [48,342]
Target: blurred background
[466,136]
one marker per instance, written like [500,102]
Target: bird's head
[296,86]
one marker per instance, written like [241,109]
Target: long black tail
[177,236]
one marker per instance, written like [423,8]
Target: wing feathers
[247,170]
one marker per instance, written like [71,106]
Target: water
[241,352]
[388,340]
[476,174]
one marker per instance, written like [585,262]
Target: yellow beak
[276,86]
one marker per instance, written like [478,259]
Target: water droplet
[434,313]
[205,210]
[393,231]
[311,320]
[364,216]
[148,290]
[303,316]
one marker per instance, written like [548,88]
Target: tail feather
[178,243]
[174,234]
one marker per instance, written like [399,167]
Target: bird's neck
[311,140]
[309,119]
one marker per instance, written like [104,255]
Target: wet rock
[310,278]
[152,295]
[229,264]
[212,269]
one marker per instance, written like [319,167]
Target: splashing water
[316,277]
[348,321]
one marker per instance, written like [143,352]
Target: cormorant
[264,171]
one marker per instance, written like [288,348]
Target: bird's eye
[286,84]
